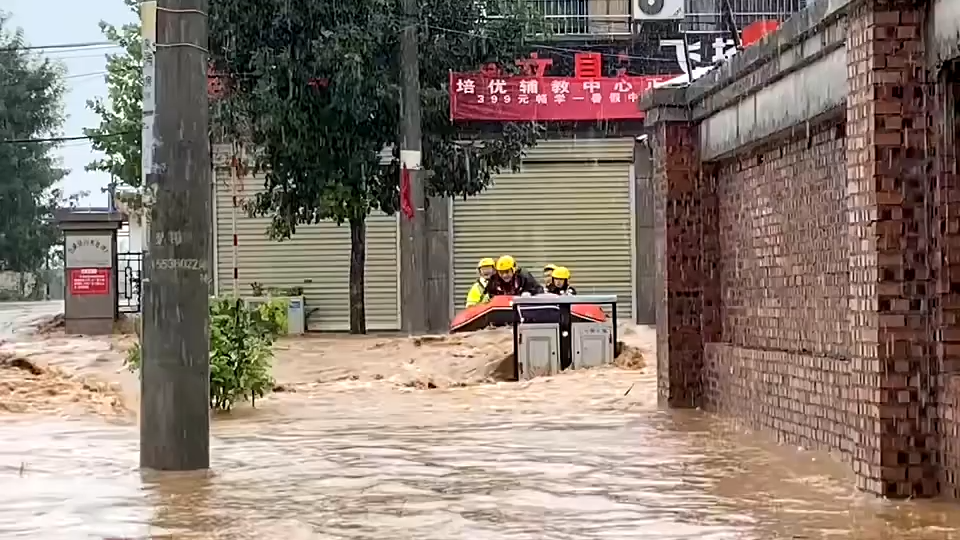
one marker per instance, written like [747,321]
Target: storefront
[571,204]
[317,259]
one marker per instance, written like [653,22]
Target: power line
[100,55]
[65,139]
[83,75]
[61,46]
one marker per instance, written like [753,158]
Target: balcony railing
[704,16]
[588,19]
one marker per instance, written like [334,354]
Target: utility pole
[414,270]
[175,371]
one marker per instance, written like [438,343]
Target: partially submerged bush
[241,349]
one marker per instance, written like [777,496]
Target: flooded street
[355,448]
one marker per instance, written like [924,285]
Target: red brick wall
[945,274]
[826,278]
[782,232]
[781,361]
[679,195]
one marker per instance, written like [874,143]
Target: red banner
[89,281]
[476,96]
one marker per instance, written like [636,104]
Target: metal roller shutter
[570,205]
[317,258]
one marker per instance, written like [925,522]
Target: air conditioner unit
[658,10]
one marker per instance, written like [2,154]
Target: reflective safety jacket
[476,295]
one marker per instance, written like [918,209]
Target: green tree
[314,88]
[31,110]
[118,136]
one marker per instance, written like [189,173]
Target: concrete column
[680,279]
[439,280]
[90,261]
[888,165]
[643,185]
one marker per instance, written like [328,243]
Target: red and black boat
[499,312]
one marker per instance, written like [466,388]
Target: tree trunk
[358,263]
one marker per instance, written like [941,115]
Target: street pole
[175,376]
[414,271]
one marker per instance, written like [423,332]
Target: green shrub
[241,350]
[271,317]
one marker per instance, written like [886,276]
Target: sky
[55,22]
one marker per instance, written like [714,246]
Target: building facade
[582,198]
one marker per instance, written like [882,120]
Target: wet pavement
[356,455]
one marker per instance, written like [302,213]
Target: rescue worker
[511,280]
[560,282]
[484,272]
[547,272]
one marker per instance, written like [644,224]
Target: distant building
[581,199]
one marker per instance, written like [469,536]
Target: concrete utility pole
[414,272]
[175,381]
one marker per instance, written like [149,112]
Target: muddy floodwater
[391,438]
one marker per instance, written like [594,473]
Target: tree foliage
[121,115]
[31,92]
[314,88]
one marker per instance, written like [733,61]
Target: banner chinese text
[476,96]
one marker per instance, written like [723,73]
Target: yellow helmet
[505,263]
[549,268]
[561,272]
[486,261]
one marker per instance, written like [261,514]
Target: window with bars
[564,17]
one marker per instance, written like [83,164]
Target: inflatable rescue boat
[499,312]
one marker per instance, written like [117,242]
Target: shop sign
[89,251]
[89,281]
[479,96]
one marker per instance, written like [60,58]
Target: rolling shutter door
[317,258]
[569,205]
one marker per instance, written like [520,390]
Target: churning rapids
[391,438]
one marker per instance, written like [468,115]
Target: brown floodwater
[357,448]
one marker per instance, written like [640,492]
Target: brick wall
[821,298]
[945,277]
[677,212]
[781,357]
[782,233]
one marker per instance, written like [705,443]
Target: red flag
[406,199]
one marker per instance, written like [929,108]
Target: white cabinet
[538,350]
[592,345]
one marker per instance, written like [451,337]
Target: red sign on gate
[89,281]
[488,96]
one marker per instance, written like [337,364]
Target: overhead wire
[80,46]
[39,140]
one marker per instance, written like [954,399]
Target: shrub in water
[241,349]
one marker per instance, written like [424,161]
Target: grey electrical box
[538,350]
[592,345]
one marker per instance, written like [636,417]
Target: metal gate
[129,268]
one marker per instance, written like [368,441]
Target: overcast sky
[55,22]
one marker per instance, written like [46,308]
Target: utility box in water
[549,336]
[592,345]
[538,350]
